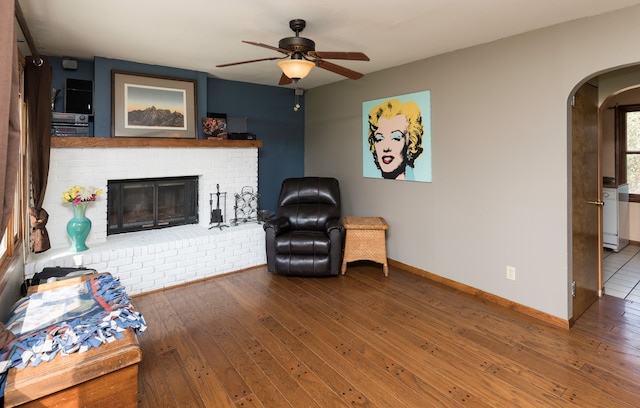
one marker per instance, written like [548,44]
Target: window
[3,245]
[13,233]
[628,149]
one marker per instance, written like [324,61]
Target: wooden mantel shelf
[148,142]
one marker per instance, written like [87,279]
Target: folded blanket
[66,320]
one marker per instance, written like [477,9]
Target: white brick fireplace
[151,260]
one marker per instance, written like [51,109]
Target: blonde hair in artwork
[390,109]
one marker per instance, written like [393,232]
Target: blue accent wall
[102,86]
[60,75]
[268,111]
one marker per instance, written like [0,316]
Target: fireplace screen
[141,204]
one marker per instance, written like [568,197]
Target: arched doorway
[589,164]
[621,218]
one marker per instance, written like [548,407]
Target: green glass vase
[78,227]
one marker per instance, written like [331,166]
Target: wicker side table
[365,240]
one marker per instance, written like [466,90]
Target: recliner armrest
[278,225]
[334,223]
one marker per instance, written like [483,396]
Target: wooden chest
[106,376]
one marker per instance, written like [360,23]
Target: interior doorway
[620,277]
[612,87]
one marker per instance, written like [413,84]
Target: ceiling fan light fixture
[296,68]
[300,56]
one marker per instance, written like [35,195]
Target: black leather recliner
[306,236]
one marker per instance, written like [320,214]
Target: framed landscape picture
[152,106]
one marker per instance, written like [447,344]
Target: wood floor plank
[212,392]
[542,343]
[412,349]
[425,345]
[250,401]
[254,339]
[151,303]
[179,381]
[153,388]
[301,360]
[277,353]
[334,392]
[258,381]
[265,361]
[335,360]
[226,345]
[389,376]
[560,368]
[195,323]
[202,374]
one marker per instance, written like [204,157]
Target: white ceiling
[199,34]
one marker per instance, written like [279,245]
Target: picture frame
[144,105]
[214,126]
[396,137]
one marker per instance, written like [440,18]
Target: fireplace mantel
[147,142]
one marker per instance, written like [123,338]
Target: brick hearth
[156,259]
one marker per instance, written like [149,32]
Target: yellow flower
[77,194]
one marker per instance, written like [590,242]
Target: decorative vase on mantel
[78,227]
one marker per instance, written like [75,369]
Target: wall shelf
[147,142]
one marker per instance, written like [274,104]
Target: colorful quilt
[66,320]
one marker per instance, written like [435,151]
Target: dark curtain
[9,116]
[38,96]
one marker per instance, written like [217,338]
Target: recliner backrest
[308,202]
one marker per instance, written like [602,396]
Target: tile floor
[621,273]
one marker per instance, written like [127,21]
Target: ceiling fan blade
[285,80]
[249,61]
[257,44]
[353,56]
[338,69]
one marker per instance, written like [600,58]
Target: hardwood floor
[253,339]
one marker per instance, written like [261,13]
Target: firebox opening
[151,203]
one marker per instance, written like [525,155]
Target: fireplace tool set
[245,208]
[217,213]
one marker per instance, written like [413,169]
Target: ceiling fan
[300,56]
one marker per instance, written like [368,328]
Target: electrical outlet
[511,273]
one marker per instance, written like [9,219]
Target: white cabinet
[615,217]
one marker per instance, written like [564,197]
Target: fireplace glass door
[140,204]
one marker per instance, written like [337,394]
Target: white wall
[232,168]
[500,190]
[155,259]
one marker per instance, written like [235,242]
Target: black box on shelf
[242,136]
